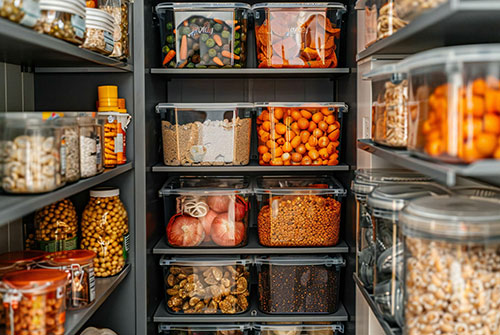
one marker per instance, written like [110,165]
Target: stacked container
[25,12]
[99,31]
[294,328]
[204,329]
[64,19]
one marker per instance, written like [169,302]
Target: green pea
[165,49]
[236,44]
[236,35]
[170,39]
[185,30]
[171,64]
[212,52]
[204,37]
[190,65]
[237,51]
[169,26]
[225,34]
[218,27]
[237,65]
[210,43]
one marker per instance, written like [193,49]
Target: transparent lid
[455,218]
[202,5]
[300,260]
[477,191]
[390,71]
[104,192]
[365,180]
[205,260]
[203,107]
[293,327]
[284,185]
[301,5]
[204,327]
[333,105]
[206,185]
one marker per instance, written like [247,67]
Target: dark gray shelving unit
[251,168]
[251,72]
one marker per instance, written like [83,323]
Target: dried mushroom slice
[171,280]
[172,291]
[242,302]
[241,286]
[193,301]
[193,278]
[175,270]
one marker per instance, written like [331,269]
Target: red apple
[219,203]
[185,231]
[206,221]
[226,232]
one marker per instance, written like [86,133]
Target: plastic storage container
[298,329]
[34,301]
[113,137]
[105,231]
[70,148]
[99,30]
[364,182]
[388,20]
[371,15]
[299,211]
[384,204]
[454,105]
[299,133]
[203,34]
[207,285]
[206,211]
[204,329]
[408,10]
[119,11]
[91,146]
[299,284]
[451,251]
[64,19]
[206,134]
[25,12]
[297,34]
[477,191]
[79,265]
[389,106]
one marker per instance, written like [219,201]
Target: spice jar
[34,301]
[452,248]
[364,182]
[70,148]
[64,19]
[99,31]
[91,146]
[384,206]
[56,227]
[79,265]
[25,12]
[105,231]
[113,137]
[299,284]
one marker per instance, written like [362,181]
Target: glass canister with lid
[384,205]
[64,19]
[364,182]
[25,12]
[452,248]
[70,148]
[91,146]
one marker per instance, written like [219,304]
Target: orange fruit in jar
[309,147]
[265,115]
[261,162]
[277,161]
[326,111]
[295,142]
[313,154]
[317,133]
[289,135]
[303,123]
[334,156]
[264,137]
[479,87]
[333,162]
[470,153]
[266,157]
[474,106]
[278,113]
[287,163]
[280,128]
[313,141]
[296,115]
[331,128]
[266,125]
[277,152]
[323,141]
[271,144]
[335,143]
[491,123]
[434,148]
[323,153]
[287,121]
[485,144]
[295,128]
[330,119]
[496,155]
[312,126]
[305,114]
[304,136]
[317,117]
[306,160]
[426,127]
[301,149]
[334,135]
[262,149]
[296,157]
[286,156]
[318,161]
[280,141]
[472,127]
[492,82]
[330,148]
[490,101]
[287,147]
[323,125]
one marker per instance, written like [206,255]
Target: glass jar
[70,148]
[25,12]
[79,265]
[105,231]
[384,205]
[91,146]
[364,182]
[408,10]
[452,247]
[64,19]
[388,20]
[99,31]
[56,227]
[119,11]
[371,15]
[113,138]
[35,301]
[32,154]
[477,191]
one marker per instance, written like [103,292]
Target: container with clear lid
[206,134]
[70,148]
[207,284]
[206,211]
[91,146]
[298,34]
[113,137]
[203,34]
[408,10]
[119,11]
[299,133]
[298,328]
[64,19]
[32,162]
[371,15]
[79,265]
[477,191]
[452,247]
[364,182]
[204,329]
[299,211]
[454,103]
[299,284]
[25,12]
[389,106]
[99,30]
[34,301]
[388,19]
[384,205]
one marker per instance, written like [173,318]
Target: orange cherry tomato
[317,133]
[312,126]
[280,128]
[304,136]
[303,123]
[266,157]
[323,141]
[306,160]
[287,147]
[323,125]
[295,142]
[323,153]
[330,119]
[278,113]
[262,149]
[296,157]
[306,114]
[296,115]
[313,141]
[317,117]
[301,149]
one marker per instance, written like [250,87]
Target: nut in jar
[25,12]
[105,231]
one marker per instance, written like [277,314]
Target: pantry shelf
[486,170]
[251,72]
[253,167]
[24,46]
[441,27]
[15,206]
[369,299]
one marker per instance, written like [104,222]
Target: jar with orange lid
[79,265]
[34,301]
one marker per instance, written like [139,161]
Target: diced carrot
[218,61]
[169,57]
[237,28]
[228,54]
[185,23]
[184,48]
[219,21]
[218,40]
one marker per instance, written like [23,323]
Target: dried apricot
[266,157]
[304,136]
[266,125]
[317,133]
[323,153]
[295,128]
[333,136]
[263,149]
[326,111]
[330,119]
[278,113]
[301,149]
[287,147]
[323,141]
[271,144]
[296,115]
[323,125]
[277,152]
[317,117]
[306,114]
[265,115]
[289,135]
[277,161]
[295,142]
[306,160]
[296,157]
[286,156]
[303,123]
[313,141]
[491,123]
[312,127]
[280,128]
[485,144]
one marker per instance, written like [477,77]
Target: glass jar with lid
[364,182]
[25,12]
[452,251]
[91,146]
[70,148]
[384,205]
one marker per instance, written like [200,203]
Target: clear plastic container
[299,211]
[34,301]
[206,134]
[70,148]
[298,34]
[408,10]
[25,12]
[105,231]
[203,34]
[206,211]
[204,329]
[371,15]
[364,182]
[113,143]
[384,205]
[388,20]
[299,133]
[389,106]
[477,191]
[79,265]
[64,19]
[119,11]
[299,284]
[207,285]
[99,30]
[292,328]
[452,245]
[91,146]
[453,103]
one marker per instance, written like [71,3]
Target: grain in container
[207,284]
[384,205]
[299,284]
[70,148]
[299,211]
[204,329]
[364,182]
[298,328]
[25,12]
[298,34]
[119,11]
[409,10]
[453,103]
[299,133]
[452,248]
[99,30]
[79,266]
[203,34]
[206,134]
[64,19]
[206,211]
[91,146]
[388,19]
[34,301]
[105,231]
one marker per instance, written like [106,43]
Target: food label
[197,30]
[91,284]
[60,245]
[126,246]
[108,39]
[98,150]
[78,23]
[31,9]
[118,143]
[63,155]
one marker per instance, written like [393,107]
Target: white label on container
[78,23]
[118,143]
[63,154]
[108,39]
[31,11]
[60,292]
[91,284]
[98,150]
